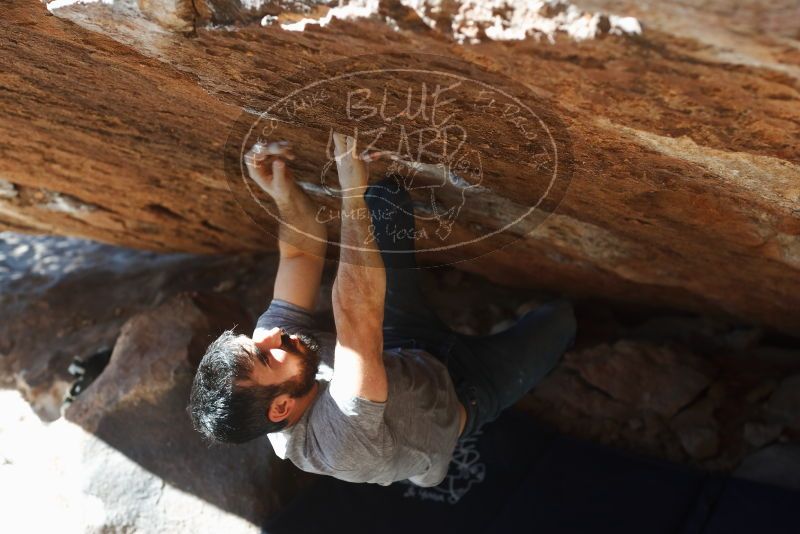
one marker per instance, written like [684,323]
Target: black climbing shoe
[86,371]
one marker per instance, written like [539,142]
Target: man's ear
[281,407]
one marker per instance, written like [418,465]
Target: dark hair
[221,407]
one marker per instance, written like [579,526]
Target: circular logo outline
[267,115]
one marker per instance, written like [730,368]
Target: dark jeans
[490,373]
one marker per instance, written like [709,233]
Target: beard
[306,378]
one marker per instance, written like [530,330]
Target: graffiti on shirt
[465,471]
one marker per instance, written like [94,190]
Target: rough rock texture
[61,478]
[692,389]
[688,388]
[635,374]
[138,407]
[710,403]
[784,404]
[744,32]
[684,187]
[125,458]
[778,465]
[62,298]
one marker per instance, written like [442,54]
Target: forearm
[359,289]
[358,296]
[300,232]
[360,286]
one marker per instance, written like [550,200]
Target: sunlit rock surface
[685,183]
[62,478]
[125,457]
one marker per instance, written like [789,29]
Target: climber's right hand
[266,166]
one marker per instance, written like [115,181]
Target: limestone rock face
[679,172]
[636,374]
[66,298]
[125,457]
[778,464]
[137,411]
[62,478]
[784,404]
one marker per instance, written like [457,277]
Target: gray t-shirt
[410,436]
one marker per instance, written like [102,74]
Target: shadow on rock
[138,407]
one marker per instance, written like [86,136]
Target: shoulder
[349,434]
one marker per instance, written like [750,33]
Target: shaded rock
[472,304]
[759,434]
[567,402]
[696,428]
[564,388]
[647,376]
[777,464]
[62,297]
[741,32]
[784,403]
[699,442]
[142,440]
[708,332]
[176,15]
[742,339]
[761,391]
[676,328]
[702,411]
[785,357]
[635,424]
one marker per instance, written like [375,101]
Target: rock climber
[387,395]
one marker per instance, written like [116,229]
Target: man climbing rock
[403,386]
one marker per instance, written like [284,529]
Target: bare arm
[359,289]
[302,251]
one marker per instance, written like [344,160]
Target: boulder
[62,298]
[696,426]
[783,405]
[650,377]
[142,446]
[778,464]
[125,457]
[757,434]
[677,178]
[699,442]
